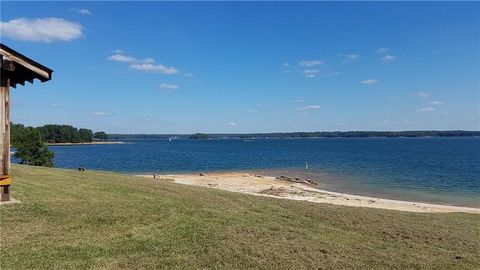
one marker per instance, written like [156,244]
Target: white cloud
[168,86]
[388,58]
[148,61]
[426,109]
[300,100]
[311,73]
[150,67]
[340,124]
[285,65]
[147,64]
[423,94]
[370,81]
[332,74]
[408,122]
[308,108]
[382,50]
[56,105]
[310,63]
[188,75]
[349,57]
[251,111]
[143,119]
[101,113]
[82,11]
[437,102]
[122,58]
[231,123]
[41,30]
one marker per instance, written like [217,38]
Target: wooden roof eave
[26,69]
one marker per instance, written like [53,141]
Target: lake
[439,170]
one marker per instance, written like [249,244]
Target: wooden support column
[5,135]
[15,68]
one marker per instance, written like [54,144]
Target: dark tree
[101,135]
[31,150]
[15,131]
[199,136]
[65,134]
[86,135]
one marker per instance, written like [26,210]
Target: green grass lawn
[81,220]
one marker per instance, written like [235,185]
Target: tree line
[365,134]
[61,133]
[318,134]
[29,142]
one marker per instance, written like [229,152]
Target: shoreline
[84,143]
[269,186]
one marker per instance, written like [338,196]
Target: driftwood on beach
[296,180]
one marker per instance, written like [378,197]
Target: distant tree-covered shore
[59,134]
[199,136]
[29,142]
[320,134]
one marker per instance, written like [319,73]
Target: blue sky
[154,67]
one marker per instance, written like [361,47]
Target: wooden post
[15,68]
[5,134]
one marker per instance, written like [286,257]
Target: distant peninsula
[53,134]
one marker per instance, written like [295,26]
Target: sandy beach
[262,185]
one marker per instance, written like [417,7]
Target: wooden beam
[35,69]
[5,134]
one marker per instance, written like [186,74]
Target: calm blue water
[443,170]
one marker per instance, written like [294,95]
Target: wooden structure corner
[16,69]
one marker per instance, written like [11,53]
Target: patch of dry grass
[92,220]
